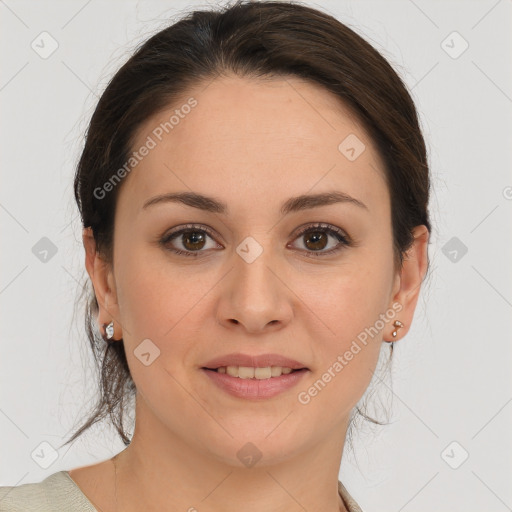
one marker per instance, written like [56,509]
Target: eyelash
[343,239]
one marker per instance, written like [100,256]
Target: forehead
[254,139]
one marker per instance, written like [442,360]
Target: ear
[408,282]
[104,285]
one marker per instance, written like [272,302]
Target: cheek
[350,304]
[348,300]
[155,311]
[169,306]
[154,294]
[347,349]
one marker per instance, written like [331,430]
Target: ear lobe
[411,276]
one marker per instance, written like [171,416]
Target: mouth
[254,383]
[255,373]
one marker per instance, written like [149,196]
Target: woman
[254,195]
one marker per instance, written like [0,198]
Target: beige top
[59,493]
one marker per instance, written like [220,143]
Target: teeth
[247,372]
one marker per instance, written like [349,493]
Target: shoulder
[55,493]
[349,502]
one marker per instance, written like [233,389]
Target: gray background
[451,376]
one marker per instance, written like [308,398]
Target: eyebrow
[293,204]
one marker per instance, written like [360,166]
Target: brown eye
[193,240]
[322,240]
[316,240]
[189,241]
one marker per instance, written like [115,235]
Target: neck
[160,471]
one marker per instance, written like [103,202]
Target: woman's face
[251,283]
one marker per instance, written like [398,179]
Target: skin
[252,144]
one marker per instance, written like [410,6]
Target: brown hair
[250,39]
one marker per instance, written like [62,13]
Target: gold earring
[398,325]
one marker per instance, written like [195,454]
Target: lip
[255,389]
[255,361]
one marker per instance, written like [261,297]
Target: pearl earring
[109,330]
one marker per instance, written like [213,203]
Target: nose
[254,296]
